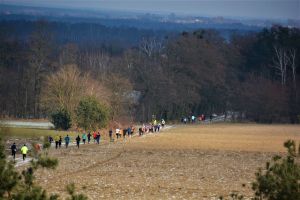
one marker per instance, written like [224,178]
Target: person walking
[67,141]
[89,136]
[78,141]
[95,136]
[98,137]
[129,131]
[56,139]
[59,141]
[118,133]
[13,150]
[24,151]
[110,133]
[83,138]
[163,122]
[124,132]
[141,131]
[50,139]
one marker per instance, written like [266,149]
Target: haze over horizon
[266,9]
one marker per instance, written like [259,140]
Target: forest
[137,73]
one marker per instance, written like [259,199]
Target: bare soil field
[184,162]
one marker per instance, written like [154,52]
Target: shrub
[91,114]
[280,180]
[61,119]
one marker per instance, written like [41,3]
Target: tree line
[254,75]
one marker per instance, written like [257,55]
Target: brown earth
[185,162]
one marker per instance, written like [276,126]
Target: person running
[50,139]
[129,131]
[193,119]
[141,131]
[59,142]
[89,137]
[95,136]
[132,130]
[163,122]
[118,133]
[78,141]
[83,138]
[98,137]
[24,151]
[13,150]
[67,141]
[124,132]
[184,120]
[56,139]
[110,133]
[158,127]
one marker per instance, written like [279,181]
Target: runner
[98,137]
[110,133]
[24,150]
[67,141]
[89,136]
[59,141]
[13,150]
[132,130]
[94,136]
[124,132]
[118,133]
[83,137]
[193,119]
[141,131]
[56,139]
[163,122]
[129,131]
[50,139]
[78,141]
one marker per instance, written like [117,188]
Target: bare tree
[65,89]
[281,63]
[151,45]
[292,61]
[98,62]
[41,41]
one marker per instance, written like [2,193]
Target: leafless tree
[149,46]
[281,63]
[65,89]
[291,56]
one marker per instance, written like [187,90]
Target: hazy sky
[280,9]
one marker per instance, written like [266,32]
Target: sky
[267,9]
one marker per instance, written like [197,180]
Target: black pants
[78,144]
[13,153]
[56,144]
[83,140]
[24,156]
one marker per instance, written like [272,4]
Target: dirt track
[193,162]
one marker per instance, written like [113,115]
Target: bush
[281,178]
[91,114]
[61,119]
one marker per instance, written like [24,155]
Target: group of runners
[153,127]
[193,119]
[14,149]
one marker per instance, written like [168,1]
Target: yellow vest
[56,138]
[24,150]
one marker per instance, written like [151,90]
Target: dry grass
[233,137]
[186,162]
[12,132]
